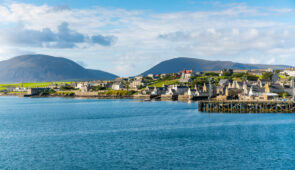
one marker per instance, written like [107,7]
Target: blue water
[65,133]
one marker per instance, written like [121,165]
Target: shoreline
[135,97]
[208,106]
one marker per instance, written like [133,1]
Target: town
[225,84]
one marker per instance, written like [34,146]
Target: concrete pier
[235,106]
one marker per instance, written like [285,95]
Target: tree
[239,75]
[267,75]
[227,73]
[284,94]
[252,77]
[98,88]
[66,87]
[211,74]
[200,81]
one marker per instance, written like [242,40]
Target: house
[137,83]
[123,79]
[150,76]
[289,71]
[289,87]
[262,83]
[85,88]
[201,93]
[211,90]
[275,77]
[36,91]
[108,85]
[179,90]
[16,89]
[157,90]
[53,86]
[256,91]
[220,90]
[247,86]
[185,76]
[270,96]
[224,82]
[233,93]
[73,85]
[97,83]
[10,88]
[236,84]
[191,92]
[79,85]
[170,91]
[20,89]
[257,72]
[274,88]
[138,78]
[117,86]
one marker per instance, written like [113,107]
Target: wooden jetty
[241,106]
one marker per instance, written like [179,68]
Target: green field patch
[164,82]
[117,93]
[31,85]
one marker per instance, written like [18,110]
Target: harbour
[238,106]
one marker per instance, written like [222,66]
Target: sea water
[71,133]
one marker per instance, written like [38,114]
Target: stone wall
[86,94]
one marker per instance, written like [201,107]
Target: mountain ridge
[177,64]
[38,68]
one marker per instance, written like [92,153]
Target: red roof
[187,71]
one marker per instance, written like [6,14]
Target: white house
[180,90]
[150,76]
[289,71]
[118,86]
[186,76]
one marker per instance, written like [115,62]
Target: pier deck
[241,106]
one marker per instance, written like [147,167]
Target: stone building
[185,76]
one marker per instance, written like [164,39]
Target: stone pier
[235,106]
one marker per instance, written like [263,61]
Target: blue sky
[161,5]
[127,37]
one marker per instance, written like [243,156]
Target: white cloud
[234,32]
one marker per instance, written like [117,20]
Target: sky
[127,37]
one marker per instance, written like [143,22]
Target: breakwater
[233,106]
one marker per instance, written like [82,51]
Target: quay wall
[247,106]
[169,97]
[141,96]
[86,94]
[184,97]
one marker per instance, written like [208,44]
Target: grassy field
[166,82]
[30,85]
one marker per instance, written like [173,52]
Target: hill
[39,68]
[198,65]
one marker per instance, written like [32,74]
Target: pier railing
[242,106]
